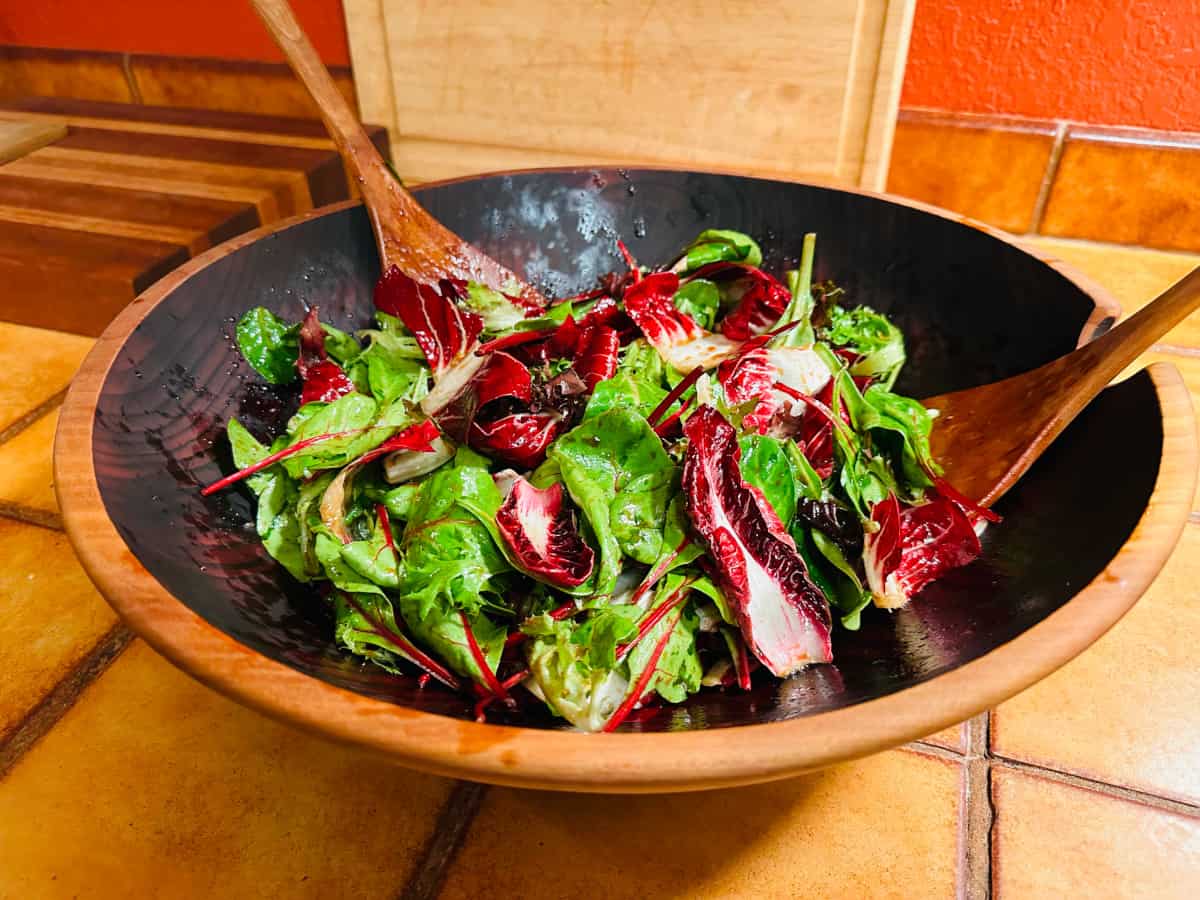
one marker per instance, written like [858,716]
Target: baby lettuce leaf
[374,558]
[603,630]
[878,343]
[677,672]
[351,413]
[497,311]
[720,245]
[624,391]
[766,466]
[701,300]
[441,630]
[339,572]
[341,347]
[451,561]
[563,676]
[799,310]
[269,344]
[278,495]
[643,362]
[833,574]
[619,475]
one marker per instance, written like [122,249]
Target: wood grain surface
[486,86]
[153,185]
[18,138]
[803,739]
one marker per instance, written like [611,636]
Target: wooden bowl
[1083,534]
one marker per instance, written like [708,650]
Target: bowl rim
[622,762]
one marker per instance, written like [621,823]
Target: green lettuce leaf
[355,631]
[766,466]
[497,311]
[275,517]
[441,631]
[872,336]
[720,245]
[562,676]
[701,300]
[352,413]
[624,391]
[451,561]
[617,472]
[269,344]
[677,672]
[341,347]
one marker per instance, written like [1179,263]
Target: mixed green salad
[681,480]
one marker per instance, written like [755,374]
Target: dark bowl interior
[972,307]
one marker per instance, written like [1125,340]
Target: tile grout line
[977,816]
[449,832]
[1043,197]
[930,749]
[46,714]
[29,418]
[30,516]
[1132,795]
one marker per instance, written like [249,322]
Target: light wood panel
[792,89]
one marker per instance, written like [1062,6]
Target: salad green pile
[674,482]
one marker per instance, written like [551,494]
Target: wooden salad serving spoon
[408,236]
[987,437]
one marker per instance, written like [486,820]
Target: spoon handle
[353,144]
[1101,360]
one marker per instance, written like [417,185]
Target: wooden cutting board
[128,192]
[20,137]
[776,87]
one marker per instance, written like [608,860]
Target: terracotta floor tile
[988,173]
[952,738]
[1124,711]
[1133,275]
[1125,193]
[26,471]
[836,833]
[1052,840]
[37,364]
[52,616]
[155,786]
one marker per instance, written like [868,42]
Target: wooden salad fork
[408,236]
[987,437]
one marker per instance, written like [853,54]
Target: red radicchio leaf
[323,379]
[747,377]
[761,298]
[913,546]
[519,440]
[596,355]
[444,332]
[540,534]
[650,306]
[783,616]
[501,376]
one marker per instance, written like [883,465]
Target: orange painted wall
[1101,61]
[226,29]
